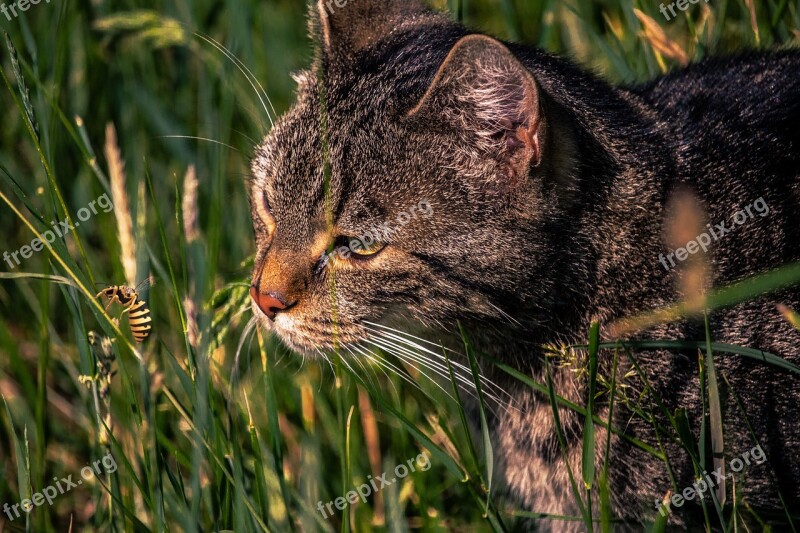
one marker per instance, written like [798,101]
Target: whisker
[251,78]
[302,364]
[420,367]
[359,363]
[246,137]
[330,364]
[402,336]
[350,347]
[462,382]
[440,370]
[200,139]
[406,334]
[410,359]
[344,361]
[490,386]
[490,390]
[383,362]
[249,328]
[407,342]
[505,315]
[248,331]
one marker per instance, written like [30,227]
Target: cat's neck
[609,165]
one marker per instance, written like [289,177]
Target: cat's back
[738,107]
[731,126]
[762,88]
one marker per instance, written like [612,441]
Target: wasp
[138,313]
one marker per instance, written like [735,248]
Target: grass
[202,445]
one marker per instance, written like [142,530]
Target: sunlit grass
[199,446]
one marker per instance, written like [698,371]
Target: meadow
[212,425]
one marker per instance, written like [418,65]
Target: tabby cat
[548,192]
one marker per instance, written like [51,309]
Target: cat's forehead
[378,166]
[359,138]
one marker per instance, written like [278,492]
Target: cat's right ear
[349,26]
[484,91]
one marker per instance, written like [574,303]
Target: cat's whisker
[505,315]
[409,335]
[359,363]
[302,364]
[491,387]
[345,363]
[246,72]
[246,137]
[420,367]
[383,362]
[405,338]
[326,358]
[349,348]
[214,141]
[411,358]
[249,329]
[411,344]
[439,369]
[490,390]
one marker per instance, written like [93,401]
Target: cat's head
[433,204]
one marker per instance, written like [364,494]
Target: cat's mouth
[307,336]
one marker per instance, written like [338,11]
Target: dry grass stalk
[122,210]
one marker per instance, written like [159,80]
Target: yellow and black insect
[138,313]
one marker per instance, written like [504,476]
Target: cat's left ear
[483,88]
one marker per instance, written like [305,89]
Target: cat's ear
[482,89]
[348,26]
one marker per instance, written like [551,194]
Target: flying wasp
[139,314]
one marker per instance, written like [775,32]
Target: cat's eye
[357,248]
[368,250]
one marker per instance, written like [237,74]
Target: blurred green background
[199,446]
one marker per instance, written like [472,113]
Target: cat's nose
[271,304]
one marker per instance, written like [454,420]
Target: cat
[548,191]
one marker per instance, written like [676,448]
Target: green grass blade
[562,442]
[588,453]
[715,415]
[462,417]
[718,347]
[487,441]
[606,517]
[22,455]
[54,188]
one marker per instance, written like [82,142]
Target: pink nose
[270,304]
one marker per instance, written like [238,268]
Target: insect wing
[145,284]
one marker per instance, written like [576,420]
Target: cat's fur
[550,190]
